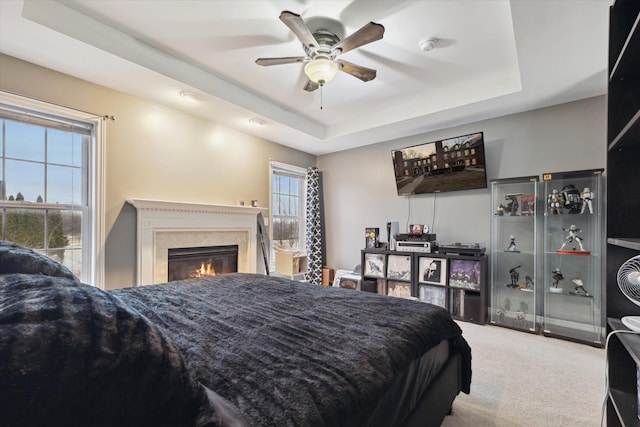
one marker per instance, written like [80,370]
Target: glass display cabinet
[573,273]
[514,266]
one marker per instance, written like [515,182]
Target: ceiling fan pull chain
[321,96]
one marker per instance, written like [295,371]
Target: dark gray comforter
[286,353]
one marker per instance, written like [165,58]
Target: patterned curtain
[314,227]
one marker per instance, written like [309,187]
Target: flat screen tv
[448,165]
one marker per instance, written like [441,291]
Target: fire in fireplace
[185,263]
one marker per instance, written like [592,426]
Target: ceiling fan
[322,47]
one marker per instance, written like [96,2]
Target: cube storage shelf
[455,282]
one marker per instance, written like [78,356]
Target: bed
[232,350]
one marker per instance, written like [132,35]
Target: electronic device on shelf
[462,248]
[629,283]
[421,237]
[416,246]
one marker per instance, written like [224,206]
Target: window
[48,181]
[288,201]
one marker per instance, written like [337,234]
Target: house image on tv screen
[447,165]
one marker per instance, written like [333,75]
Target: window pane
[44,159]
[64,185]
[72,259]
[24,180]
[64,238]
[3,187]
[294,205]
[64,148]
[24,226]
[286,209]
[24,141]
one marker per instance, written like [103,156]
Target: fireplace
[185,263]
[164,225]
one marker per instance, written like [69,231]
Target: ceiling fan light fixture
[321,70]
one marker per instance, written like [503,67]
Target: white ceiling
[494,57]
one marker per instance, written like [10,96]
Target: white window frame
[93,219]
[275,166]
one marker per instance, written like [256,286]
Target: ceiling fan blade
[311,86]
[278,61]
[299,28]
[363,73]
[367,34]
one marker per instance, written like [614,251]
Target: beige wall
[155,152]
[359,184]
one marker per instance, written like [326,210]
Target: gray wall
[155,152]
[359,185]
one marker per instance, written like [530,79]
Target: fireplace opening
[186,263]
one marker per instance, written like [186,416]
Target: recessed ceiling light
[190,96]
[256,121]
[427,44]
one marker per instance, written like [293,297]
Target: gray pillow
[74,355]
[18,259]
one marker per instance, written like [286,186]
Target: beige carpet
[522,380]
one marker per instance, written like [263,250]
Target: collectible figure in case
[512,244]
[557,276]
[555,201]
[572,199]
[514,275]
[579,288]
[571,238]
[587,200]
[528,205]
[512,206]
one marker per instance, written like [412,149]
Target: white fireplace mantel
[162,224]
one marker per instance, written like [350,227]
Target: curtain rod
[89,113]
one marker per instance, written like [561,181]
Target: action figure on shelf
[528,205]
[587,200]
[512,206]
[515,275]
[512,244]
[555,201]
[500,210]
[572,200]
[528,284]
[502,311]
[572,237]
[521,314]
[579,288]
[557,276]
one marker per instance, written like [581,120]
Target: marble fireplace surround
[165,224]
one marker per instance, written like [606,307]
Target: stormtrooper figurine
[573,236]
[587,200]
